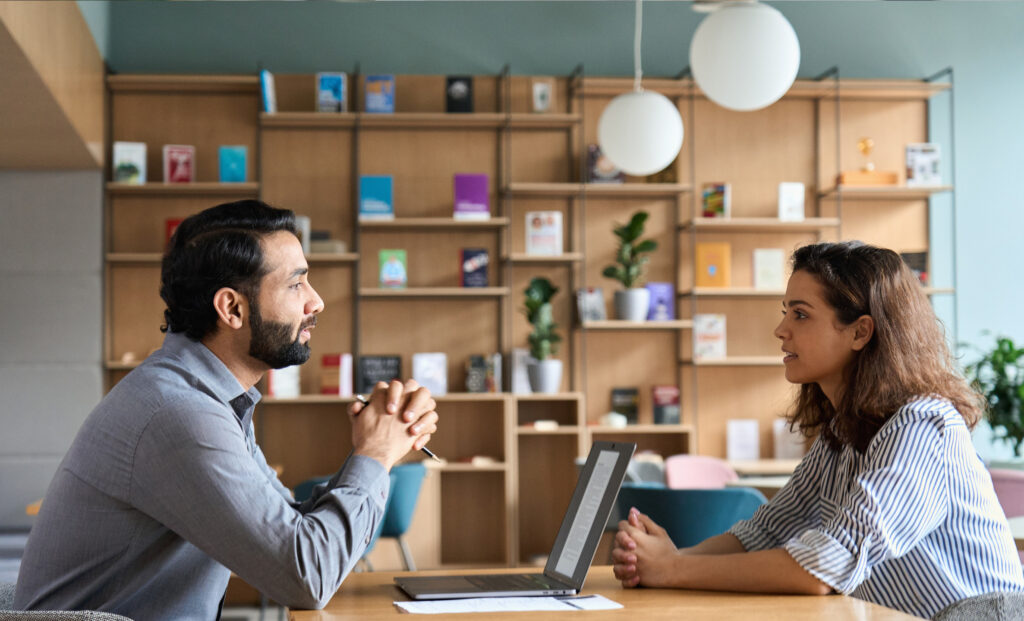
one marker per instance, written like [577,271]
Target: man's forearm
[767,571]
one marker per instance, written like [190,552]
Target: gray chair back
[999,606]
[7,602]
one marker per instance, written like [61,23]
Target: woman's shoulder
[931,411]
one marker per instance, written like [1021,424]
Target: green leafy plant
[544,339]
[999,375]
[630,255]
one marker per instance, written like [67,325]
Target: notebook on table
[574,548]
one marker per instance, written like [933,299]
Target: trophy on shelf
[867,175]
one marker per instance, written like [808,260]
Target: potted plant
[632,302]
[544,372]
[999,375]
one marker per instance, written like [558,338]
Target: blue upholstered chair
[691,515]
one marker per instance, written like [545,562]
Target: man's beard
[272,343]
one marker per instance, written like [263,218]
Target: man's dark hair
[216,248]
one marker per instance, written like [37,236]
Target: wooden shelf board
[759,225]
[435,292]
[324,120]
[543,120]
[646,429]
[549,396]
[563,430]
[544,189]
[530,259]
[618,324]
[732,292]
[332,257]
[739,361]
[197,188]
[431,120]
[178,83]
[616,190]
[434,223]
[883,192]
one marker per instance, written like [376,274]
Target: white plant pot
[632,304]
[545,375]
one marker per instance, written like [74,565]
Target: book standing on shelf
[393,274]
[626,401]
[472,202]
[268,92]
[716,200]
[331,92]
[473,264]
[483,373]
[231,160]
[743,439]
[336,375]
[791,201]
[130,162]
[170,226]
[373,369]
[283,383]
[713,264]
[544,233]
[520,380]
[380,93]
[459,93]
[769,268]
[431,371]
[708,336]
[923,159]
[590,304]
[666,404]
[662,306]
[179,163]
[375,198]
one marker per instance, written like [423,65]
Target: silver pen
[429,453]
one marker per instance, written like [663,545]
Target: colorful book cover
[179,163]
[331,92]
[544,233]
[232,161]
[130,162]
[708,336]
[716,200]
[769,268]
[459,93]
[665,400]
[472,201]
[626,401]
[268,91]
[923,159]
[791,201]
[393,274]
[431,371]
[380,93]
[336,375]
[373,369]
[600,169]
[375,198]
[473,264]
[590,304]
[713,264]
[662,306]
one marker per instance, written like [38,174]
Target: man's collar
[216,375]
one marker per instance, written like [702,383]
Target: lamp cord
[637,29]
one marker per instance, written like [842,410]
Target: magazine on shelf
[179,163]
[716,200]
[376,200]
[431,371]
[483,373]
[393,273]
[923,159]
[708,336]
[626,401]
[713,264]
[472,202]
[662,306]
[130,162]
[380,93]
[769,268]
[373,369]
[473,263]
[791,201]
[665,400]
[331,92]
[231,160]
[544,233]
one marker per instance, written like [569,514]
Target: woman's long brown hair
[907,357]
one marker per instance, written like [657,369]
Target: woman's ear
[231,307]
[863,330]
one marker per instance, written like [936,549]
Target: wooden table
[369,596]
[1017,528]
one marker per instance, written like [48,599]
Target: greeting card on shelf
[791,201]
[716,199]
[473,264]
[130,162]
[769,268]
[743,439]
[431,371]
[472,202]
[544,233]
[666,404]
[336,375]
[626,401]
[590,304]
[268,92]
[393,274]
[459,93]
[375,198]
[179,163]
[373,369]
[713,264]
[662,306]
[232,163]
[331,92]
[380,93]
[708,336]
[923,159]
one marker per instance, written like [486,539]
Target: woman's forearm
[719,544]
[767,571]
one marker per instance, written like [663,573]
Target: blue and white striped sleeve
[789,512]
[898,498]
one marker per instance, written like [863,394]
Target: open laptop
[574,548]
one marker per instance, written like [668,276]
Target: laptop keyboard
[512,582]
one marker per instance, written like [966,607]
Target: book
[283,383]
[473,264]
[544,233]
[431,371]
[543,91]
[665,400]
[788,444]
[373,369]
[232,163]
[268,91]
[483,373]
[708,336]
[716,200]
[662,306]
[302,227]
[179,163]
[923,159]
[459,93]
[336,375]
[375,198]
[590,304]
[743,439]
[918,263]
[713,264]
[791,201]
[520,380]
[472,202]
[380,93]
[769,268]
[600,169]
[392,269]
[130,162]
[331,92]
[626,401]
[170,226]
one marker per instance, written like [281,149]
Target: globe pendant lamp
[640,132]
[744,55]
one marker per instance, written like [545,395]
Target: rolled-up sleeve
[899,497]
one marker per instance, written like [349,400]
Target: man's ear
[232,307]
[863,330]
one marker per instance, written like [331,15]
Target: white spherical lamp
[640,132]
[744,55]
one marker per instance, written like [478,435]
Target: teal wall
[981,40]
[97,16]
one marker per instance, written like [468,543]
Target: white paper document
[509,604]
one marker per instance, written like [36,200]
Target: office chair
[998,606]
[692,515]
[697,472]
[7,602]
[1009,486]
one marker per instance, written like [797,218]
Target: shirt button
[367,541]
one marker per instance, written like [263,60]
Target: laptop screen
[588,511]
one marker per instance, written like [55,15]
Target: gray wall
[50,325]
